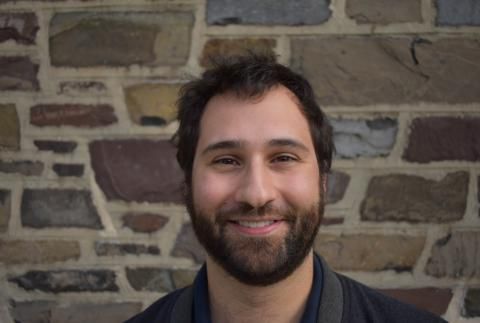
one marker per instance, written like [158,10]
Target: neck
[282,302]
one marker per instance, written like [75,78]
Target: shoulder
[368,305]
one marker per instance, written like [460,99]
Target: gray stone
[337,184]
[18,73]
[31,311]
[59,281]
[188,246]
[472,303]
[364,138]
[58,147]
[122,249]
[81,88]
[455,256]
[73,170]
[458,13]
[150,279]
[61,208]
[9,128]
[81,39]
[5,208]
[383,12]
[19,27]
[399,197]
[268,12]
[95,312]
[24,167]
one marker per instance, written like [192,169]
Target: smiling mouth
[254,224]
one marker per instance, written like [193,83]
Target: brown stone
[150,279]
[457,255]
[434,300]
[4,210]
[399,197]
[183,277]
[144,222]
[9,128]
[122,249]
[188,246]
[370,252]
[137,170]
[24,167]
[13,252]
[332,221]
[152,104]
[73,170]
[337,184]
[58,147]
[19,27]
[218,48]
[439,71]
[18,73]
[82,39]
[382,12]
[95,312]
[443,138]
[77,115]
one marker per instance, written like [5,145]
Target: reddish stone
[18,73]
[144,222]
[434,300]
[77,115]
[20,27]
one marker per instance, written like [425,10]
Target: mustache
[244,209]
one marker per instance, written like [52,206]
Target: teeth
[255,224]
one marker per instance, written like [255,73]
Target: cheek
[302,189]
[210,192]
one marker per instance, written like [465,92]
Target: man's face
[256,195]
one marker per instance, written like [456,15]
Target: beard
[257,261]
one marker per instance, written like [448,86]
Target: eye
[284,158]
[226,161]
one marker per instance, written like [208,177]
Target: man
[256,149]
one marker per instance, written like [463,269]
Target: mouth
[256,228]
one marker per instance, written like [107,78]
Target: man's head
[255,147]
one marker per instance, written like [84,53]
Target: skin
[256,152]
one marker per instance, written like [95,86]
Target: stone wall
[92,223]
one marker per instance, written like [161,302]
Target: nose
[256,186]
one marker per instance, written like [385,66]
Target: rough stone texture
[14,252]
[443,138]
[81,39]
[337,184]
[144,222]
[31,311]
[95,312]
[152,104]
[472,303]
[458,13]
[478,194]
[59,281]
[122,249]
[9,128]
[58,147]
[76,115]
[24,167]
[188,246]
[137,170]
[267,12]
[74,170]
[217,48]
[361,252]
[332,221]
[150,279]
[383,12]
[446,71]
[61,208]
[364,138]
[80,88]
[434,300]
[399,197]
[18,73]
[19,27]
[456,255]
[183,277]
[4,209]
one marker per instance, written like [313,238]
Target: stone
[217,48]
[332,221]
[150,279]
[59,208]
[31,311]
[122,249]
[57,147]
[456,256]
[443,138]
[84,39]
[183,277]
[61,281]
[18,73]
[457,13]
[187,245]
[400,197]
[147,102]
[478,194]
[144,222]
[9,128]
[81,88]
[76,115]
[137,170]
[382,12]
[95,312]
[370,252]
[394,69]
[5,208]
[19,27]
[73,170]
[268,12]
[337,183]
[434,300]
[472,303]
[13,252]
[23,167]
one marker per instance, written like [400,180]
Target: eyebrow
[287,142]
[235,144]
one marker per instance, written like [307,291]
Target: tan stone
[369,252]
[9,128]
[383,12]
[13,252]
[183,277]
